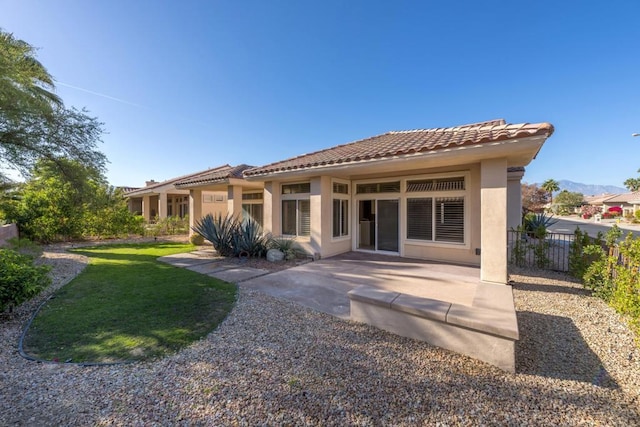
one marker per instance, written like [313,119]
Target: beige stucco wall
[322,242]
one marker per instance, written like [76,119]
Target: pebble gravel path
[272,362]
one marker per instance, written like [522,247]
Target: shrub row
[20,279]
[611,269]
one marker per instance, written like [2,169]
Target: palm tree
[25,84]
[550,186]
[633,184]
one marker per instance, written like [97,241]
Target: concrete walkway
[201,262]
[323,285]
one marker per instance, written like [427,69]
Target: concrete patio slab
[323,285]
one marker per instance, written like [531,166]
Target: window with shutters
[296,209]
[436,209]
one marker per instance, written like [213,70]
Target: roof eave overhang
[219,185]
[168,188]
[519,152]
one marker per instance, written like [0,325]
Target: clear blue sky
[186,85]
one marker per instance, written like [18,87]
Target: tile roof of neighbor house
[599,199]
[214,176]
[623,198]
[173,181]
[399,143]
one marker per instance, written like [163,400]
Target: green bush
[196,239]
[20,279]
[615,276]
[168,226]
[579,259]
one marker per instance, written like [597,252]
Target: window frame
[434,195]
[344,199]
[297,197]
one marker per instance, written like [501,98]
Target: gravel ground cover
[272,362]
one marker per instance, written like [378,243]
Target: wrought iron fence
[548,253]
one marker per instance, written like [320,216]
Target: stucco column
[195,208]
[146,207]
[162,205]
[269,209]
[318,218]
[234,200]
[493,220]
[514,198]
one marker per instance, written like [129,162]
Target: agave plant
[219,230]
[536,224]
[249,239]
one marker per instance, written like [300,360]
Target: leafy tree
[567,200]
[53,205]
[34,124]
[533,198]
[550,186]
[633,184]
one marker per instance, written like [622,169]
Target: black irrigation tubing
[53,362]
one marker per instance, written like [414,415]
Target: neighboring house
[629,202]
[243,197]
[447,194]
[164,199]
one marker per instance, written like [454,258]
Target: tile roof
[171,181]
[399,143]
[623,198]
[599,199]
[214,176]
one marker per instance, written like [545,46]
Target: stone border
[487,330]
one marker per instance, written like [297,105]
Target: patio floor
[323,285]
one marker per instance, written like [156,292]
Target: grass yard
[126,305]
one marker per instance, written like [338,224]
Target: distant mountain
[589,189]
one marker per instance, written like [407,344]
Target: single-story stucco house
[446,194]
[628,202]
[164,199]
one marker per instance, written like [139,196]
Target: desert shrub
[579,260]
[20,279]
[115,221]
[196,239]
[288,246]
[24,247]
[168,226]
[614,275]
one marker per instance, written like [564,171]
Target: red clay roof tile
[399,143]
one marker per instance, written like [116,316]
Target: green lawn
[126,305]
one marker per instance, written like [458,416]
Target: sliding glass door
[378,227]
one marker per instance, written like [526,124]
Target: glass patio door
[378,227]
